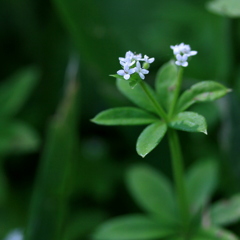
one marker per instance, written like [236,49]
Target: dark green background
[87,37]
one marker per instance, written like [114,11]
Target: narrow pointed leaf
[131,227]
[124,116]
[166,82]
[189,122]
[150,137]
[213,233]
[153,192]
[226,212]
[136,94]
[201,182]
[201,92]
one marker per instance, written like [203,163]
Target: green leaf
[17,137]
[150,138]
[229,8]
[201,182]
[124,116]
[131,227]
[136,95]
[153,192]
[214,234]
[189,122]
[226,211]
[201,92]
[166,82]
[15,91]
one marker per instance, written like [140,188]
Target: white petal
[121,59]
[126,76]
[132,70]
[184,57]
[120,72]
[141,75]
[138,66]
[192,53]
[151,60]
[178,63]
[185,64]
[179,57]
[144,71]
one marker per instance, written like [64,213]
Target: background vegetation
[61,175]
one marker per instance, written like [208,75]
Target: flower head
[182,52]
[141,71]
[131,64]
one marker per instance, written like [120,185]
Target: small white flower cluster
[182,52]
[131,64]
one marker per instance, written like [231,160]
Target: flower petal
[141,75]
[126,76]
[120,72]
[144,71]
[185,64]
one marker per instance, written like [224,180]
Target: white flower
[141,71]
[14,235]
[182,60]
[128,60]
[148,60]
[126,71]
[137,57]
[176,49]
[183,49]
[186,49]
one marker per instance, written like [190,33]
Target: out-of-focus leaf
[52,187]
[166,83]
[214,234]
[201,92]
[150,138]
[201,181]
[229,8]
[17,137]
[226,211]
[124,116]
[152,191]
[136,95]
[189,122]
[131,227]
[15,91]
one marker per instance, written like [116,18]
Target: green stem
[176,92]
[155,103]
[178,172]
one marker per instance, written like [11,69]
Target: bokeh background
[61,175]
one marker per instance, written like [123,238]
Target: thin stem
[176,92]
[178,172]
[155,103]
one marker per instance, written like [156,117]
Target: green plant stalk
[178,173]
[176,92]
[155,103]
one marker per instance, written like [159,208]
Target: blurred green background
[61,175]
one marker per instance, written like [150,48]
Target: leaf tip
[205,132]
